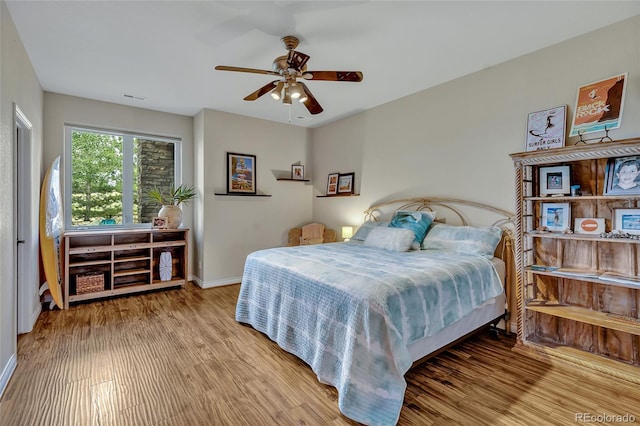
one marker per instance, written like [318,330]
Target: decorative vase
[173,214]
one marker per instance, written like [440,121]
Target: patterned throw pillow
[387,238]
[365,228]
[463,239]
[418,222]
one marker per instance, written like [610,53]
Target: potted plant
[171,201]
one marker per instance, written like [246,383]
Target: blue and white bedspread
[349,311]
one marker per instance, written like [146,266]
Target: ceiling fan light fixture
[295,91]
[277,92]
[286,99]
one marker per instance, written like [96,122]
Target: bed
[361,314]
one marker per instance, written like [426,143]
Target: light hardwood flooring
[178,357]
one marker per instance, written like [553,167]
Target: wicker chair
[295,235]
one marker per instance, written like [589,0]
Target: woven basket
[89,283]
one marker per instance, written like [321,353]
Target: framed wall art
[599,105]
[546,129]
[556,216]
[345,183]
[555,180]
[622,176]
[241,173]
[297,172]
[332,184]
[627,221]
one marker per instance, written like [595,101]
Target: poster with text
[599,105]
[546,129]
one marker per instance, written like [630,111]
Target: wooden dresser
[107,263]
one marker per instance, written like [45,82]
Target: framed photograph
[599,105]
[159,222]
[241,173]
[627,220]
[622,176]
[332,184]
[555,180]
[556,216]
[297,172]
[345,183]
[546,129]
[588,225]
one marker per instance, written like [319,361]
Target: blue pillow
[365,228]
[418,222]
[463,239]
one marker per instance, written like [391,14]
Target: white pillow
[396,239]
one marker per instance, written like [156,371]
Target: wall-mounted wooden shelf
[242,195]
[294,180]
[337,195]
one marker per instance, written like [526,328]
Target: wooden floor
[179,358]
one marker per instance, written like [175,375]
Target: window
[109,173]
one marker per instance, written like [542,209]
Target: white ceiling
[165,51]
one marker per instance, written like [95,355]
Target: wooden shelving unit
[577,317]
[127,261]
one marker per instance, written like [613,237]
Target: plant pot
[173,215]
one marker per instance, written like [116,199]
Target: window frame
[127,173]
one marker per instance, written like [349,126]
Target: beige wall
[62,109]
[455,139]
[234,226]
[18,85]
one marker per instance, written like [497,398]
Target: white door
[26,282]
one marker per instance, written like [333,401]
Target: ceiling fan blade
[352,76]
[240,69]
[311,103]
[261,91]
[297,60]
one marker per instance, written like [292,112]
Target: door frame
[26,281]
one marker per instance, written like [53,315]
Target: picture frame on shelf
[241,173]
[555,180]
[627,221]
[297,172]
[622,176]
[159,222]
[332,183]
[556,216]
[599,105]
[345,183]
[546,128]
[588,225]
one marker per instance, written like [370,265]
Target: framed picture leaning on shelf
[622,176]
[345,183]
[555,180]
[599,105]
[332,184]
[546,129]
[297,172]
[627,221]
[556,216]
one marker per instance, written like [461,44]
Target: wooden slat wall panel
[179,358]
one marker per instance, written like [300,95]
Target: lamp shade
[347,232]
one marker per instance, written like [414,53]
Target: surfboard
[51,228]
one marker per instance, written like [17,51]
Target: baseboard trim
[217,283]
[7,373]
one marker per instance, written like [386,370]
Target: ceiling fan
[290,68]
